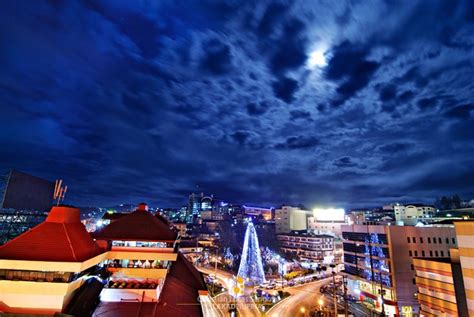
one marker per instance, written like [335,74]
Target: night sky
[347,103]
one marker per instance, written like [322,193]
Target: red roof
[60,238]
[139,225]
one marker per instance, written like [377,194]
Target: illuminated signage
[329,214]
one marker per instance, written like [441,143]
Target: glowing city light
[251,266]
[329,214]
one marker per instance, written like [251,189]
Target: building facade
[440,286]
[412,213]
[465,238]
[378,262]
[289,219]
[307,246]
[24,202]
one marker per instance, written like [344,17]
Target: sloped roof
[180,293]
[162,218]
[139,225]
[113,216]
[60,238]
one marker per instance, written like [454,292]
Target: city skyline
[267,103]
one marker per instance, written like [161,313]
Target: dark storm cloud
[300,114]
[257,108]
[217,57]
[393,148]
[387,92]
[350,67]
[427,103]
[298,142]
[291,48]
[265,102]
[345,161]
[461,112]
[285,89]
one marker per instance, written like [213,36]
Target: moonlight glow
[316,59]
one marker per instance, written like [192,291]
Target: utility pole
[344,283]
[381,294]
[334,289]
[215,266]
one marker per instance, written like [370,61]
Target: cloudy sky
[315,102]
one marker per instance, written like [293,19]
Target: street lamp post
[334,289]
[215,265]
[321,303]
[344,283]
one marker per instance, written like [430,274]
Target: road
[304,296]
[245,305]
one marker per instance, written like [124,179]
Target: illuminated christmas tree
[251,267]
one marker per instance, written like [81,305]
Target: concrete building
[440,286]
[24,202]
[289,219]
[465,238]
[378,262]
[327,221]
[212,215]
[307,246]
[21,191]
[410,214]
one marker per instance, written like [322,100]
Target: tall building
[199,203]
[22,191]
[440,286]
[445,286]
[24,202]
[378,262]
[465,238]
[289,219]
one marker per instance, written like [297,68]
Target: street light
[320,303]
[303,310]
[334,288]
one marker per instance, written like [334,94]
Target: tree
[456,201]
[445,202]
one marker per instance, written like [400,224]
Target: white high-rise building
[289,218]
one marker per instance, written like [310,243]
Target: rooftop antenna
[59,191]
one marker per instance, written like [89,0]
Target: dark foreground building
[24,202]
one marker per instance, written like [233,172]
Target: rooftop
[140,225]
[60,238]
